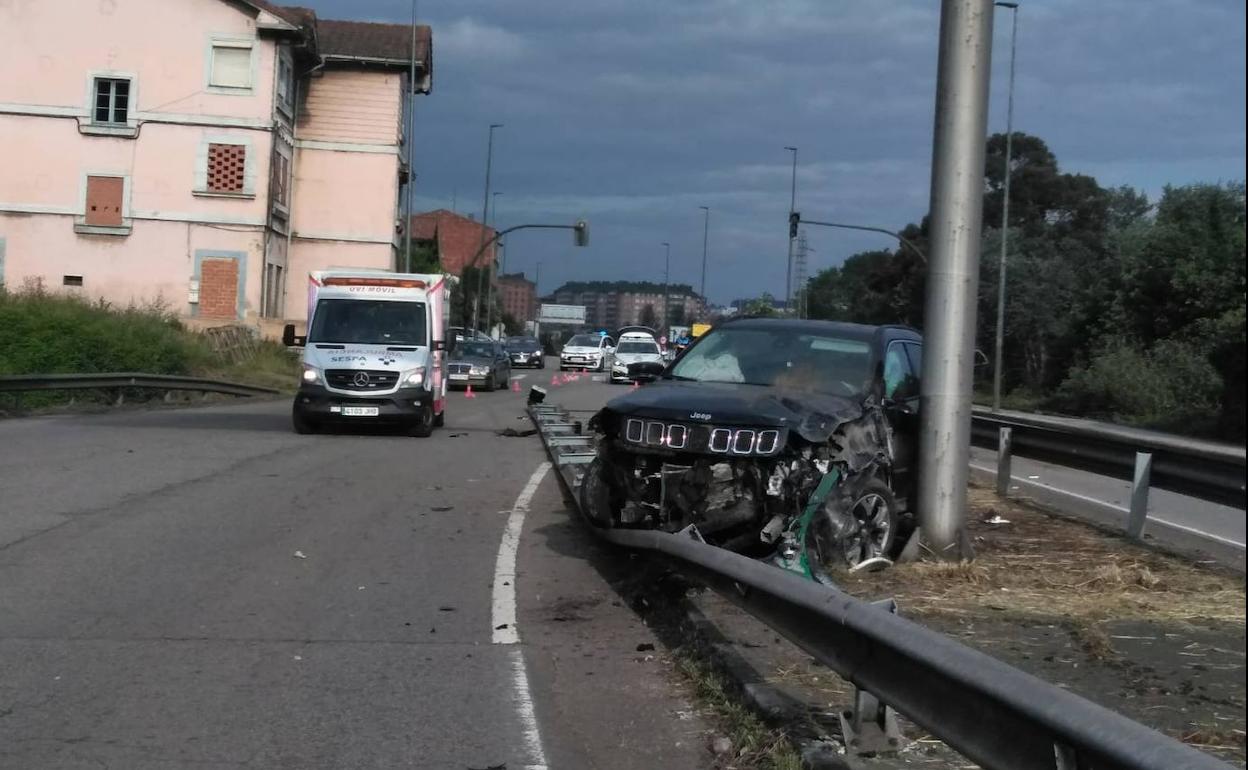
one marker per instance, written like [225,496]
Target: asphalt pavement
[203,588]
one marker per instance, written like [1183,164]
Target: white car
[586,351]
[635,349]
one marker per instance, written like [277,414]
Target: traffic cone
[515,386]
[468,393]
[554,381]
[635,385]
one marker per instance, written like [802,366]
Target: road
[203,588]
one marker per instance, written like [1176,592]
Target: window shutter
[231,66]
[104,195]
[227,167]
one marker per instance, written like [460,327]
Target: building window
[281,180]
[104,201]
[112,101]
[227,168]
[230,65]
[285,85]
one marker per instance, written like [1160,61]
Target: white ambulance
[375,350]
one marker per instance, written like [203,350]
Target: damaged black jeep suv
[794,439]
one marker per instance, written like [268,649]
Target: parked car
[794,439]
[459,335]
[483,363]
[586,351]
[637,358]
[526,351]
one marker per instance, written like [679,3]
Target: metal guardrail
[22,383]
[1205,470]
[994,714]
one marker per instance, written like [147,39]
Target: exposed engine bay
[804,479]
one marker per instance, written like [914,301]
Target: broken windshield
[779,358]
[368,322]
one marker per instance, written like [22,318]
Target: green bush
[1170,386]
[41,333]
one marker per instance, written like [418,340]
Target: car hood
[474,360]
[813,416]
[633,358]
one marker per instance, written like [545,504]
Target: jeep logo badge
[699,416]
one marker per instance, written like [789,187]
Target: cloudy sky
[633,113]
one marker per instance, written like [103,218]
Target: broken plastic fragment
[299,555]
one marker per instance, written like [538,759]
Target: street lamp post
[706,231]
[489,291]
[788,270]
[999,349]
[485,215]
[667,275]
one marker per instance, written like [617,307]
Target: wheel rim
[874,527]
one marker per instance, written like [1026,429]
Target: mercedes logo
[360,379]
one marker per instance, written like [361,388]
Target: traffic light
[581,233]
[794,219]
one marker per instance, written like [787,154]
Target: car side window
[915,352]
[900,381]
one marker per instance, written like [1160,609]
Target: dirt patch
[1149,635]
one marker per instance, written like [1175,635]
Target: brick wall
[218,288]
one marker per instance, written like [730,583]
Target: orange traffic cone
[515,386]
[636,385]
[468,393]
[554,381]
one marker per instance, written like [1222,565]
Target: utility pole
[485,215]
[667,275]
[999,350]
[489,291]
[952,280]
[799,272]
[411,144]
[706,231]
[788,270]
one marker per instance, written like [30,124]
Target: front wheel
[489,385]
[302,424]
[851,529]
[423,426]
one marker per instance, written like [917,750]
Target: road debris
[442,508]
[513,433]
[645,647]
[299,555]
[996,520]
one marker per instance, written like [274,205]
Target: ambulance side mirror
[292,340]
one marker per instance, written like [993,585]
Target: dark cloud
[635,113]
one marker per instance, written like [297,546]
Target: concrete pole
[999,347]
[706,231]
[489,291]
[667,275]
[953,274]
[485,215]
[788,270]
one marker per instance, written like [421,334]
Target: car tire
[439,419]
[852,526]
[303,424]
[423,426]
[489,385]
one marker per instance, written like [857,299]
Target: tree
[648,317]
[763,307]
[424,258]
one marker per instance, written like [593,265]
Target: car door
[901,405]
[502,363]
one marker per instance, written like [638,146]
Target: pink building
[205,154]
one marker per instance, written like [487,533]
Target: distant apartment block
[205,153]
[519,296]
[610,305]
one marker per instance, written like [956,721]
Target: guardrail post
[1139,495]
[1005,449]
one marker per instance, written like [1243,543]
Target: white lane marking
[1112,506]
[503,615]
[503,618]
[524,709]
[518,376]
